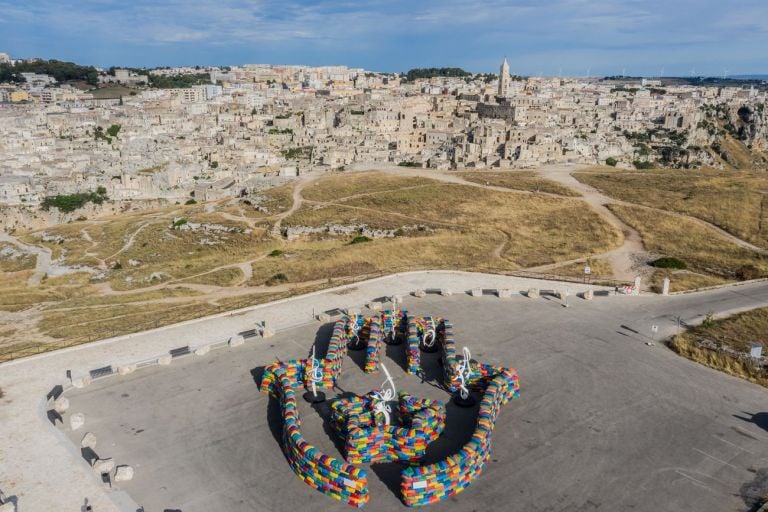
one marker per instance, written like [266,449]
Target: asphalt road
[604,422]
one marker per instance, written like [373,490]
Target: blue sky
[641,37]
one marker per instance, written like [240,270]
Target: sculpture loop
[383,396]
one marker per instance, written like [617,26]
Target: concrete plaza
[604,422]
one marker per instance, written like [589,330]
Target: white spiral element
[383,396]
[463,373]
[429,335]
[315,372]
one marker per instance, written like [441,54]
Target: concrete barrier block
[76,421]
[82,382]
[123,473]
[126,369]
[420,293]
[104,465]
[397,298]
[8,507]
[476,292]
[236,340]
[267,333]
[589,295]
[374,306]
[88,440]
[324,317]
[164,360]
[201,351]
[562,294]
[352,311]
[504,293]
[533,293]
[445,292]
[61,404]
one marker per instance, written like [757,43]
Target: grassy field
[683,280]
[518,180]
[599,269]
[460,227]
[734,201]
[12,259]
[737,333]
[704,251]
[141,261]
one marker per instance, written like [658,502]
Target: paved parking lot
[604,421]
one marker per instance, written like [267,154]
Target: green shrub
[611,161]
[709,321]
[639,164]
[190,201]
[359,239]
[669,262]
[276,253]
[747,272]
[409,164]
[70,202]
[177,224]
[277,279]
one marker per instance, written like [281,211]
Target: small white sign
[421,484]
[587,270]
[654,329]
[757,351]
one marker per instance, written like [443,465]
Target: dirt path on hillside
[298,200]
[629,259]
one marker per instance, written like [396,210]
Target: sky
[538,37]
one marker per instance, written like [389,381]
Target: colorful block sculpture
[366,440]
[328,475]
[375,335]
[393,324]
[422,485]
[413,352]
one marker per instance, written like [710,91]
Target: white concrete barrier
[103,465]
[76,421]
[476,292]
[267,333]
[201,351]
[8,507]
[164,360]
[445,292]
[126,369]
[351,311]
[504,293]
[82,382]
[61,404]
[123,473]
[533,293]
[88,440]
[420,293]
[324,317]
[374,306]
[589,295]
[236,340]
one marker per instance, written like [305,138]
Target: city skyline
[557,37]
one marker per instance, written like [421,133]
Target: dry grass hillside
[145,269]
[734,201]
[715,343]
[711,259]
